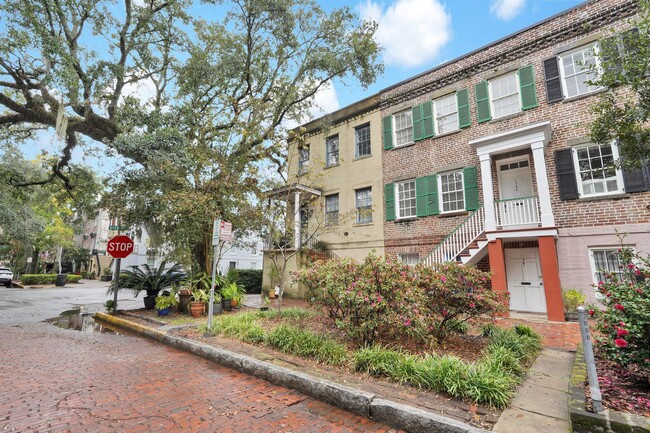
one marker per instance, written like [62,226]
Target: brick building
[487,160]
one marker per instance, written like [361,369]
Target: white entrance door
[517,205]
[525,280]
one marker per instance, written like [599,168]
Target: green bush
[297,341]
[46,278]
[249,279]
[383,297]
[38,278]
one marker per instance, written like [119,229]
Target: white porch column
[542,184]
[488,193]
[296,220]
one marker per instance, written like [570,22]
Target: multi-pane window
[410,259]
[364,205]
[303,160]
[332,209]
[504,95]
[452,195]
[446,114]
[405,199]
[578,67]
[595,169]
[362,141]
[332,147]
[403,123]
[606,260]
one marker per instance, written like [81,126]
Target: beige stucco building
[334,196]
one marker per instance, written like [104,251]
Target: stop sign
[119,247]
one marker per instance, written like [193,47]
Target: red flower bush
[626,314]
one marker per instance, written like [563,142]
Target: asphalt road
[61,380]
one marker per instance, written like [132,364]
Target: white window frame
[441,194]
[358,143]
[303,164]
[331,214]
[408,130]
[564,78]
[491,84]
[332,156]
[364,212]
[437,113]
[619,174]
[409,259]
[595,270]
[399,212]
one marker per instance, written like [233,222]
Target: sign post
[119,248]
[221,230]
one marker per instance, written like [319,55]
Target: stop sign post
[119,248]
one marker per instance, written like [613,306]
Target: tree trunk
[34,265]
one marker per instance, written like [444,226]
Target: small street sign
[117,227]
[119,247]
[225,231]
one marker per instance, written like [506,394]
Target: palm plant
[150,279]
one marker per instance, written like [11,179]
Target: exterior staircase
[466,244]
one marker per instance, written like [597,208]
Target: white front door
[525,280]
[515,182]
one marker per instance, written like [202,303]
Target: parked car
[6,276]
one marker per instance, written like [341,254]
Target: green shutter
[527,87]
[389,197]
[427,119]
[482,102]
[432,189]
[388,132]
[471,188]
[418,127]
[421,197]
[464,117]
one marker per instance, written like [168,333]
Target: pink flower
[630,266]
[621,324]
[472,305]
[444,279]
[591,313]
[622,332]
[620,343]
[619,307]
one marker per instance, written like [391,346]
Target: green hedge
[249,279]
[46,278]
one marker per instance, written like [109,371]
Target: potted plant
[572,299]
[197,303]
[164,303]
[150,280]
[231,295]
[217,306]
[267,301]
[184,295]
[107,275]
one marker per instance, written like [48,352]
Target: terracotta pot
[233,303]
[197,308]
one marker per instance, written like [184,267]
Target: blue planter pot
[163,312]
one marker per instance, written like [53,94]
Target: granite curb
[583,421]
[396,415]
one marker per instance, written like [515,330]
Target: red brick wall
[569,120]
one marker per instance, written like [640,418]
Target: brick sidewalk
[55,380]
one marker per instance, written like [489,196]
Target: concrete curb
[607,421]
[394,414]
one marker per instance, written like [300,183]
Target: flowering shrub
[382,296]
[365,299]
[624,324]
[455,294]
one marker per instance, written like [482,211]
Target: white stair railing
[455,242]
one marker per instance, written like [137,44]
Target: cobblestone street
[55,380]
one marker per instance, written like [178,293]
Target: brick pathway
[556,335]
[55,380]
